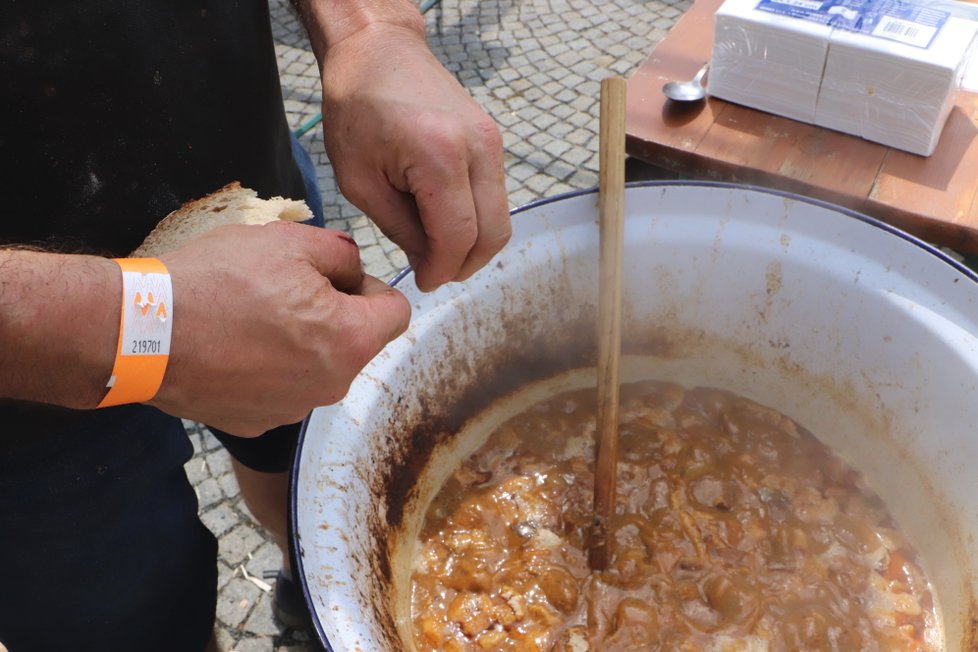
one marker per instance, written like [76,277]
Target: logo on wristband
[149,304]
[145,326]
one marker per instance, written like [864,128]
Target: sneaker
[288,606]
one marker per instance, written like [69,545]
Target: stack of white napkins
[886,70]
[766,60]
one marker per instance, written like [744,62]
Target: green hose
[307,125]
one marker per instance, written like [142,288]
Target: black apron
[112,114]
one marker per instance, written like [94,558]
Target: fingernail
[346,236]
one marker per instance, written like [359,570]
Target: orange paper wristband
[145,326]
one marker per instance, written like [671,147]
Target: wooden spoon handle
[611,209]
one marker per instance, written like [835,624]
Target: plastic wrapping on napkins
[885,70]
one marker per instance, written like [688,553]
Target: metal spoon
[687,91]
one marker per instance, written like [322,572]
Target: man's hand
[270,322]
[409,146]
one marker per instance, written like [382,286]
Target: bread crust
[232,204]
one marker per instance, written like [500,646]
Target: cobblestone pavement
[536,66]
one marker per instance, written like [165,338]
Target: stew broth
[735,529]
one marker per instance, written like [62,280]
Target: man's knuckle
[489,135]
[363,350]
[352,186]
[464,235]
[499,239]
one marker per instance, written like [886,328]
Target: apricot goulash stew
[736,530]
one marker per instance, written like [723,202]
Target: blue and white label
[896,20]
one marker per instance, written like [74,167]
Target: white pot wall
[860,333]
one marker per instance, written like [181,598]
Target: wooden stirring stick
[611,210]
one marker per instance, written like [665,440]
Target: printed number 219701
[145,346]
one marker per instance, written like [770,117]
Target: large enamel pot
[864,335]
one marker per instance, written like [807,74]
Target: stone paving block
[208,492]
[297,67]
[509,75]
[579,137]
[196,470]
[288,80]
[556,147]
[582,104]
[259,644]
[560,170]
[376,263]
[592,163]
[512,185]
[518,102]
[551,88]
[544,121]
[522,197]
[583,179]
[622,67]
[390,249]
[224,574]
[586,69]
[246,515]
[560,128]
[576,156]
[365,235]
[663,22]
[503,118]
[538,79]
[261,621]
[546,42]
[503,92]
[307,82]
[539,184]
[398,259]
[518,148]
[497,54]
[539,140]
[534,95]
[568,58]
[579,24]
[224,639]
[559,189]
[590,89]
[208,440]
[547,103]
[237,544]
[538,159]
[583,119]
[235,601]
[521,171]
[195,442]
[220,518]
[229,484]
[560,74]
[218,462]
[267,557]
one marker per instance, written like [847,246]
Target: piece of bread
[232,204]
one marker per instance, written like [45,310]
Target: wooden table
[935,197]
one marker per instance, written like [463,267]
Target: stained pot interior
[861,335]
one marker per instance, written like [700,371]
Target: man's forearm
[59,326]
[331,21]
